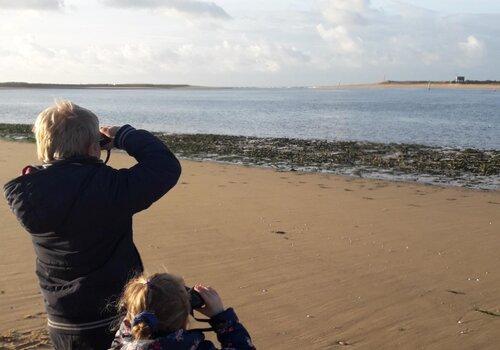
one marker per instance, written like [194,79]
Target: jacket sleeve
[156,172]
[230,332]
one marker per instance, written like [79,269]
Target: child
[79,214]
[157,310]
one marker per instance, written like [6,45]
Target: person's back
[79,213]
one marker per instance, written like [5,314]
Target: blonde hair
[65,130]
[162,294]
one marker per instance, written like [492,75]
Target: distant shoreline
[476,85]
[23,85]
[470,85]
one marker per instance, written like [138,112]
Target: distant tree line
[90,86]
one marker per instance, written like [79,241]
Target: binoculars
[104,141]
[195,299]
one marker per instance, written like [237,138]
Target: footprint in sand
[451,199]
[348,189]
[491,202]
[34,315]
[455,292]
[369,198]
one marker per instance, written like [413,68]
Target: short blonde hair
[164,295]
[65,130]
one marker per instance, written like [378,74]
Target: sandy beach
[425,86]
[309,261]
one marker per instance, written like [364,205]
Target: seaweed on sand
[323,155]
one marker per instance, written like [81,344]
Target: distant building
[459,80]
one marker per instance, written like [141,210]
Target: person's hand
[109,131]
[213,302]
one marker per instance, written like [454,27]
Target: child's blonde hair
[162,294]
[65,130]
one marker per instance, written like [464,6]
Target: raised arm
[156,172]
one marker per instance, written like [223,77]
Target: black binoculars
[195,299]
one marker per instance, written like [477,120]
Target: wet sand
[309,261]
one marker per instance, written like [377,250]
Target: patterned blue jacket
[230,333]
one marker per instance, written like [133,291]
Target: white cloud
[414,42]
[188,7]
[32,4]
[472,47]
[429,58]
[145,62]
[348,12]
[345,20]
[344,42]
[237,56]
[312,45]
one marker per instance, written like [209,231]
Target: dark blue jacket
[230,333]
[79,214]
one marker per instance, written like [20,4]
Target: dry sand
[309,261]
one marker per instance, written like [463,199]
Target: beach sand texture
[309,261]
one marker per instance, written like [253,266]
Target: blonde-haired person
[79,212]
[157,312]
[66,130]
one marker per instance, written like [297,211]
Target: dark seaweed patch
[469,167]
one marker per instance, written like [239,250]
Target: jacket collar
[178,340]
[74,160]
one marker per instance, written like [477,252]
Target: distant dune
[486,85]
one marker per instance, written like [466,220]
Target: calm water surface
[454,118]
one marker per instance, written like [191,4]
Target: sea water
[447,117]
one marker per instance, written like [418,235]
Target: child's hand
[213,302]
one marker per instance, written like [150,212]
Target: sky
[265,43]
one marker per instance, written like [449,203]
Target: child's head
[163,295]
[65,130]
